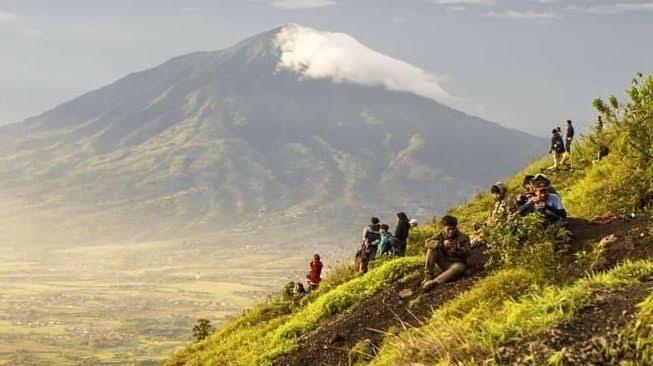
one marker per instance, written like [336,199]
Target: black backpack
[559,145]
[373,234]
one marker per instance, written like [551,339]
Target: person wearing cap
[314,276]
[446,252]
[545,203]
[556,148]
[402,231]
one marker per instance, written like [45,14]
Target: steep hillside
[260,132]
[546,296]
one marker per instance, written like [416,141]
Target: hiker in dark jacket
[545,203]
[401,233]
[569,137]
[447,253]
[314,276]
[371,239]
[556,148]
[387,244]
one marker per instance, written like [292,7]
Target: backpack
[373,234]
[559,145]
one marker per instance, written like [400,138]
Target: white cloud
[514,14]
[620,8]
[339,57]
[7,17]
[301,4]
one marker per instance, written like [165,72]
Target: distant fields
[127,303]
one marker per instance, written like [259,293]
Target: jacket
[385,246]
[455,249]
[316,271]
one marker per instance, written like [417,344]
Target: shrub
[202,329]
[525,243]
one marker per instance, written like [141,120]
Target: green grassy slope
[524,292]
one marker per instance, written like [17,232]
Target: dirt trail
[330,343]
[582,339]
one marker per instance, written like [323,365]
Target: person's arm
[526,207]
[551,145]
[434,242]
[554,206]
[365,233]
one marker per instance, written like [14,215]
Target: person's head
[402,216]
[568,122]
[499,191]
[449,225]
[299,288]
[384,228]
[527,181]
[554,131]
[541,185]
[541,192]
[316,256]
[413,223]
[600,119]
[374,220]
[559,129]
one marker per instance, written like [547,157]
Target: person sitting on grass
[544,202]
[446,253]
[502,208]
[388,243]
[315,273]
[500,212]
[299,290]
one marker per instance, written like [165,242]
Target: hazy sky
[527,64]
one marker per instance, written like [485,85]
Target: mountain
[292,125]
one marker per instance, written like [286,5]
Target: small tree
[202,329]
[630,137]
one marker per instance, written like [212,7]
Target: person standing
[314,276]
[569,138]
[371,239]
[557,148]
[401,233]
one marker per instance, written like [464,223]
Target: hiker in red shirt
[316,270]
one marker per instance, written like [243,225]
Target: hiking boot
[429,285]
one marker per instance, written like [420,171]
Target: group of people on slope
[379,240]
[448,250]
